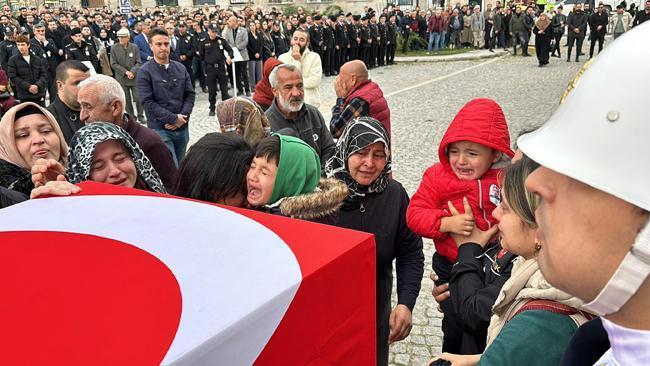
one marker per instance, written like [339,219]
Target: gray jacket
[123,60]
[241,42]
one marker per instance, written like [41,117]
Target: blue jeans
[176,142]
[441,41]
[436,40]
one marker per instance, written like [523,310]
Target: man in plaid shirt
[357,96]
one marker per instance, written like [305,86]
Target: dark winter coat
[309,126]
[15,178]
[577,20]
[476,279]
[10,197]
[22,75]
[384,214]
[68,120]
[83,52]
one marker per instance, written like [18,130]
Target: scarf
[542,23]
[526,283]
[244,117]
[358,134]
[263,90]
[298,169]
[86,139]
[8,150]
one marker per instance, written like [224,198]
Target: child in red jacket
[474,148]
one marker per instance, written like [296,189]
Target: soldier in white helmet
[594,186]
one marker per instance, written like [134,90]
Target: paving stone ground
[423,98]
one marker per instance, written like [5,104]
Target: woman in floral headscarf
[100,152]
[377,204]
[244,117]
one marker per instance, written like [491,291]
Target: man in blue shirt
[167,95]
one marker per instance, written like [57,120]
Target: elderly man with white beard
[290,115]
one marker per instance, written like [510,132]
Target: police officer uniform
[366,42]
[383,43]
[374,47]
[82,52]
[50,53]
[328,49]
[353,33]
[343,42]
[316,37]
[185,46]
[391,41]
[212,52]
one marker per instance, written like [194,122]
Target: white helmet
[600,135]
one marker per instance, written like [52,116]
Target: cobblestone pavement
[423,98]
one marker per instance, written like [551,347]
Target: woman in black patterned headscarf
[377,204]
[100,152]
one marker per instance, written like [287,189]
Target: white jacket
[312,73]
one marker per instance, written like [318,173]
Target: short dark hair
[269,148]
[157,32]
[215,168]
[62,69]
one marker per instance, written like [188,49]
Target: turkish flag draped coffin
[117,276]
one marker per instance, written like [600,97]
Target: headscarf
[82,149]
[263,90]
[298,169]
[244,117]
[542,24]
[358,134]
[8,150]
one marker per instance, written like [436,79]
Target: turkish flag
[118,276]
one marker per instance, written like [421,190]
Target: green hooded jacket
[298,169]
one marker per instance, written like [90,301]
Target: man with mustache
[308,63]
[290,115]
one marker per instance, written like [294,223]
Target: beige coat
[312,73]
[526,283]
[627,21]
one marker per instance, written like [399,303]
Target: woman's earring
[538,247]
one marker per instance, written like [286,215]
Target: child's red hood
[481,121]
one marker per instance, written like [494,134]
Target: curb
[460,57]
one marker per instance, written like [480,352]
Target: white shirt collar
[628,346]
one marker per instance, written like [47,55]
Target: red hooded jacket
[481,121]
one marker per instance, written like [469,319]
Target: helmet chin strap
[629,276]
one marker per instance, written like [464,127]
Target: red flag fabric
[120,276]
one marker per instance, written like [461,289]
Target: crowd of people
[512,24]
[274,152]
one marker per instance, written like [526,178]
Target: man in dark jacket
[50,53]
[366,41]
[374,35]
[316,36]
[518,32]
[167,95]
[391,46]
[289,111]
[102,100]
[329,42]
[80,50]
[557,25]
[66,107]
[642,16]
[598,25]
[342,41]
[577,26]
[28,74]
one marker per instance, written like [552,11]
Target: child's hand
[461,224]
